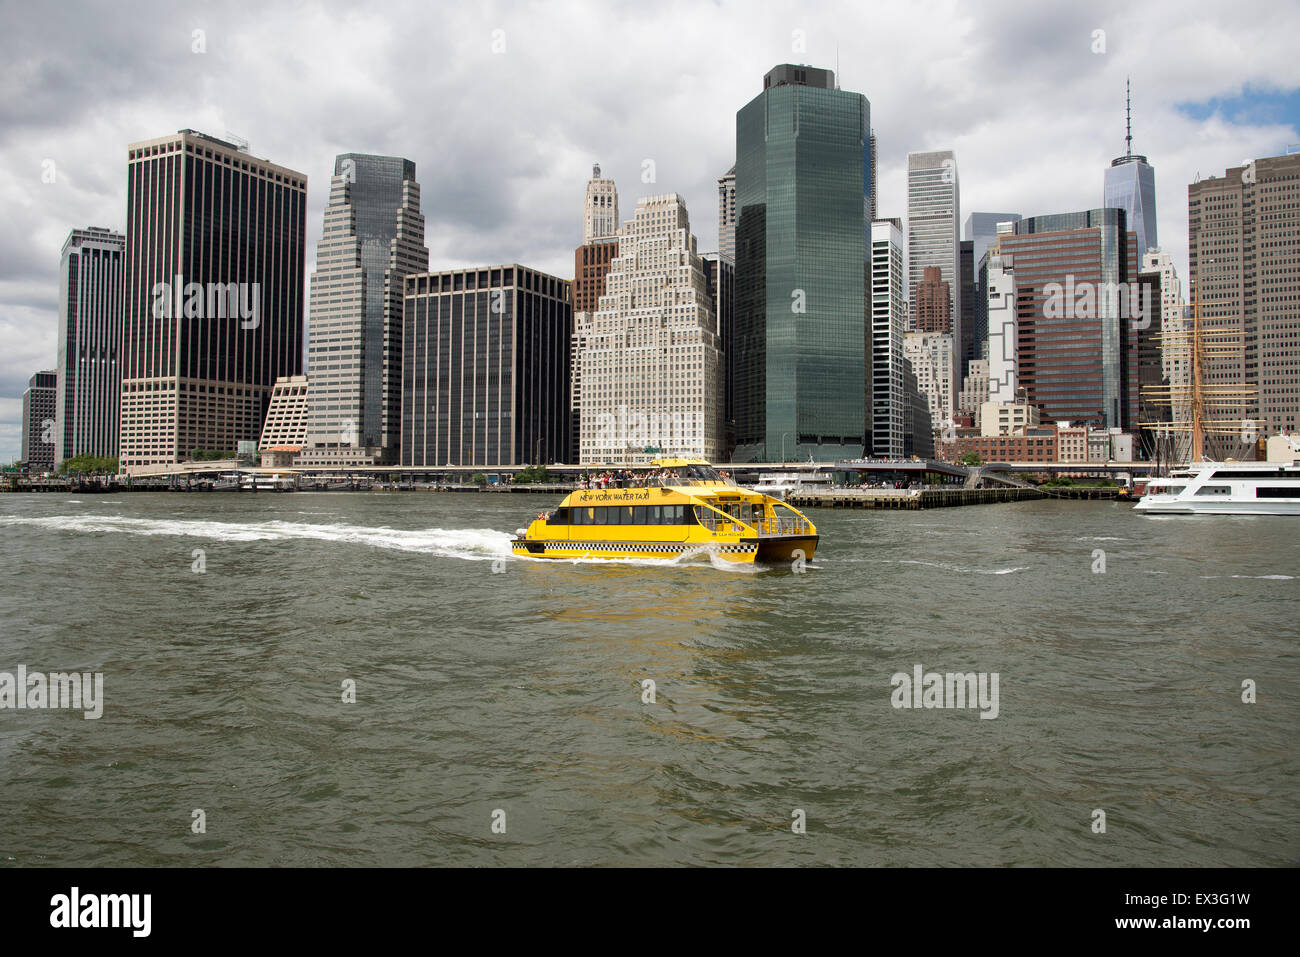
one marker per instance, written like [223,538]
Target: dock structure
[942,497]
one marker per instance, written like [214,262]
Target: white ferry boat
[262,482]
[1225,488]
[779,484]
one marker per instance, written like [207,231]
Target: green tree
[531,475]
[87,464]
[971,458]
[479,479]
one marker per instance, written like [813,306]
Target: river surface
[501,714]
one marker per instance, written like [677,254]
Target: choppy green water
[484,682]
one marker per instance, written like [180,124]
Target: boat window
[1277,491]
[1253,474]
[654,518]
[559,517]
[1214,490]
[701,473]
[641,515]
[602,514]
[626,515]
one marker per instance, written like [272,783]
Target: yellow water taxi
[681,506]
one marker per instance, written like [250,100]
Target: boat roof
[678,463]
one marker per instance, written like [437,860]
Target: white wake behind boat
[1225,488]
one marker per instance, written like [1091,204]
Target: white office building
[933,356]
[600,210]
[1004,325]
[888,320]
[652,363]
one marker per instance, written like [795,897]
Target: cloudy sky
[505,106]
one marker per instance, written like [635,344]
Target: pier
[943,497]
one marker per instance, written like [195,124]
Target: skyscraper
[966,296]
[600,211]
[1244,262]
[933,302]
[1077,344]
[90,334]
[888,319]
[720,279]
[213,303]
[39,427]
[652,364]
[981,232]
[727,214]
[1004,331]
[1130,185]
[873,182]
[802,300]
[591,263]
[932,357]
[373,238]
[1175,358]
[933,208]
[485,367]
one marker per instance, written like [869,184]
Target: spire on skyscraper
[1128,118]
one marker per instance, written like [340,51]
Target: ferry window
[602,514]
[589,516]
[561,517]
[627,514]
[1277,491]
[654,518]
[641,515]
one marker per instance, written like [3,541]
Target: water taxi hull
[763,551]
[740,552]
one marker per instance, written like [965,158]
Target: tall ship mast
[1207,420]
[1203,411]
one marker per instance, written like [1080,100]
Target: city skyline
[504,189]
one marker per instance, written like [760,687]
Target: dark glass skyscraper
[90,333]
[39,404]
[485,367]
[802,334]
